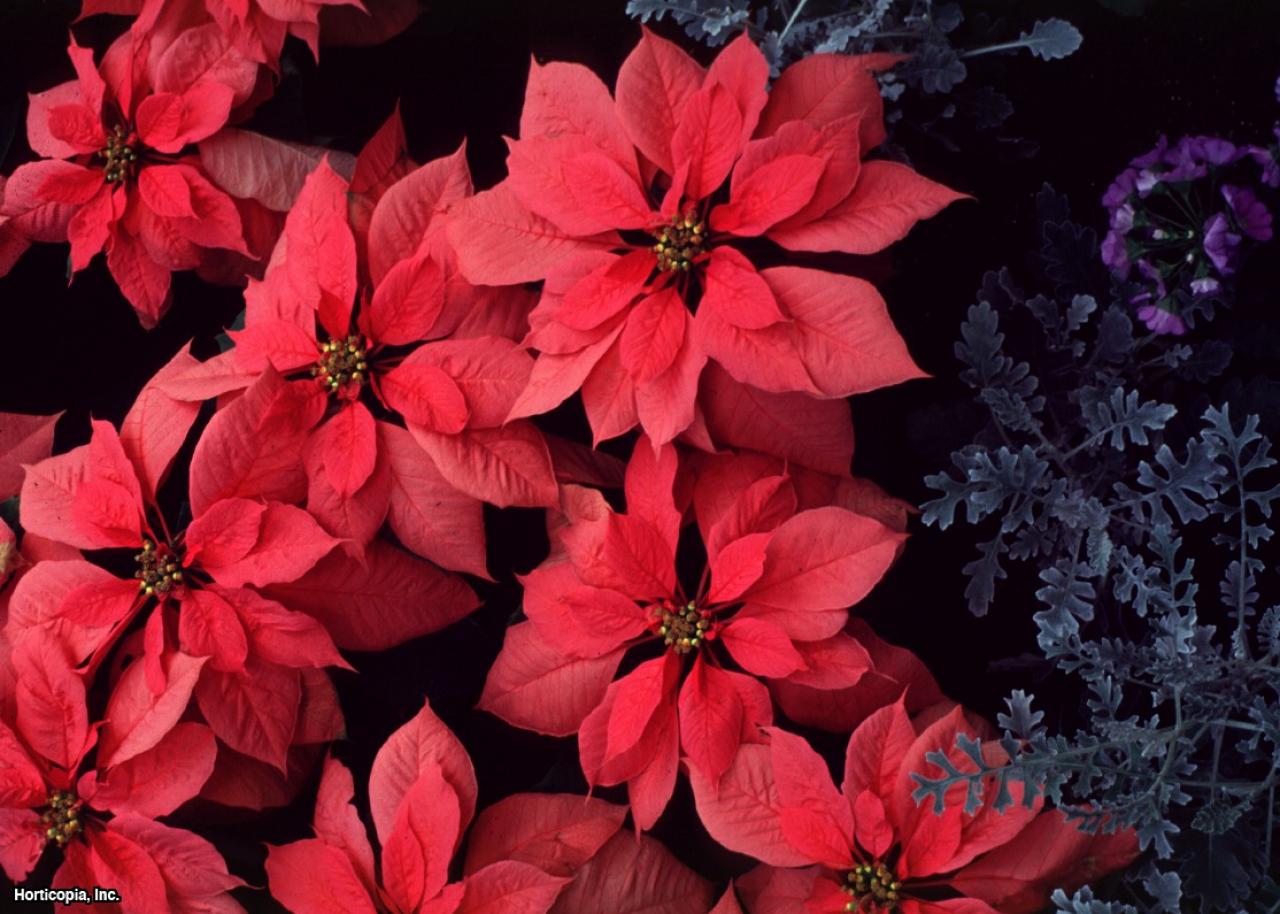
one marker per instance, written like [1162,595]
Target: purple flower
[1120,188]
[1159,320]
[1146,160]
[1206,285]
[1251,214]
[1115,253]
[1220,243]
[1214,150]
[1266,162]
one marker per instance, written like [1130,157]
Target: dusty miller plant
[1149,534]
[926,32]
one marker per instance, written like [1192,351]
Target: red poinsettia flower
[621,205]
[868,847]
[103,820]
[257,28]
[776,576]
[422,795]
[116,176]
[234,646]
[361,356]
[823,694]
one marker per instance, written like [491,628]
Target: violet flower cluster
[1181,218]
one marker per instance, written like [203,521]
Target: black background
[1182,67]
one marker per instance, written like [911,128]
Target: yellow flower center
[121,158]
[683,628]
[679,243]
[159,569]
[62,817]
[872,888]
[342,363]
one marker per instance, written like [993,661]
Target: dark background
[1183,66]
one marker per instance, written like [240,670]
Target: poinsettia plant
[772,600]
[116,176]
[422,795]
[639,210]
[425,380]
[103,820]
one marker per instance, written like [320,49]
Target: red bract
[422,794]
[567,835]
[777,577]
[619,205]
[823,694]
[632,873]
[372,353]
[116,176]
[868,844]
[155,867]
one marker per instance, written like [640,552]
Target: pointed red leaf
[887,201]
[654,83]
[224,533]
[771,193]
[288,545]
[741,812]
[499,242]
[422,742]
[568,100]
[429,516]
[407,302]
[708,138]
[816,818]
[415,856]
[533,686]
[825,87]
[167,121]
[742,69]
[251,447]
[137,718]
[635,875]
[251,166]
[711,716]
[383,601]
[509,887]
[405,212]
[506,466]
[557,832]
[291,873]
[156,782]
[813,433]
[761,647]
[157,424]
[52,716]
[425,396]
[827,558]
[163,188]
[655,331]
[253,712]
[209,627]
[336,821]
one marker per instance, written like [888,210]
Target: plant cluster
[1126,511]
[930,44]
[179,588]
